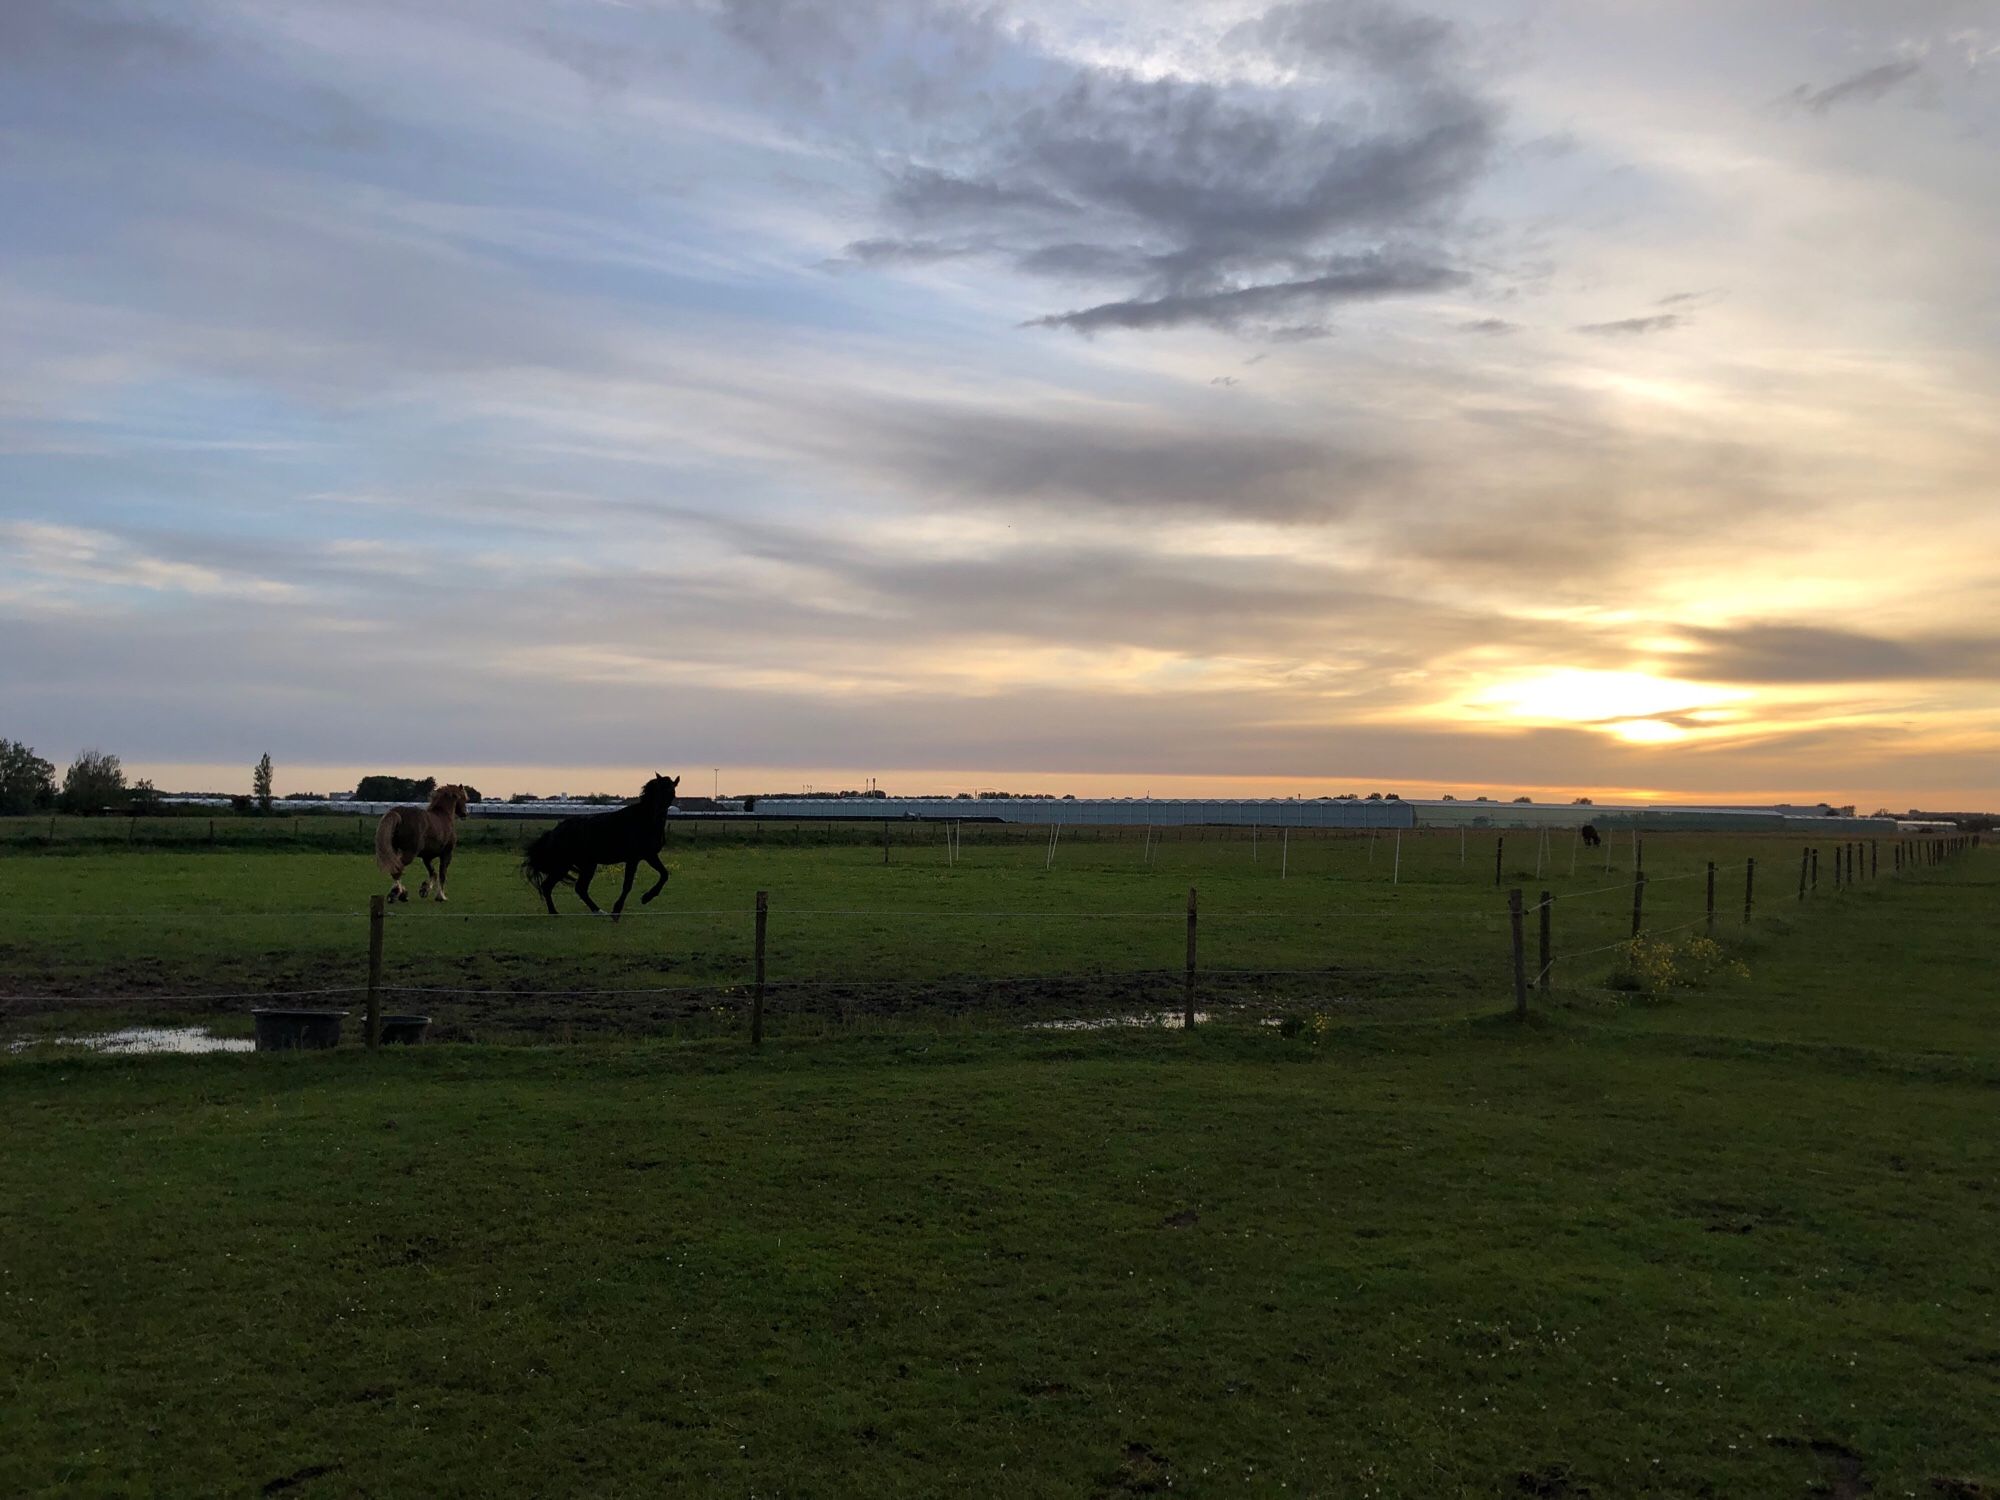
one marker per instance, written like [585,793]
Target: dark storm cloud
[1776,653]
[1623,327]
[1860,88]
[1197,203]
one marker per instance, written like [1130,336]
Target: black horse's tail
[544,858]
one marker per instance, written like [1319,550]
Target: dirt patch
[1845,1479]
[1141,1471]
[1187,1218]
[298,1477]
[1555,1481]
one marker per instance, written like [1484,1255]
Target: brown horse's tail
[386,857]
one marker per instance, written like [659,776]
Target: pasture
[1736,1242]
[994,927]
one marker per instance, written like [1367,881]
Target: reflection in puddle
[1170,1019]
[147,1039]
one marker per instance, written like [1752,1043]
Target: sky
[1522,396]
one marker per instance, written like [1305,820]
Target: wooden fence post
[1548,912]
[1749,887]
[1805,859]
[1815,869]
[377,907]
[1874,860]
[757,990]
[1499,844]
[1520,955]
[1638,900]
[885,841]
[1187,990]
[1711,898]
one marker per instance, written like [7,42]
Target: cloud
[1785,653]
[1623,327]
[1239,206]
[71,565]
[1367,32]
[1260,305]
[38,34]
[899,252]
[1864,87]
[1110,464]
[1489,326]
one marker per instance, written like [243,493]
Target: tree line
[95,782]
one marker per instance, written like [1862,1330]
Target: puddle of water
[1170,1019]
[147,1039]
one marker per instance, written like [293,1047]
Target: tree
[145,797]
[27,782]
[94,782]
[260,782]
[394,789]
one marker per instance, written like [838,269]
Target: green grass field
[93,932]
[1736,1242]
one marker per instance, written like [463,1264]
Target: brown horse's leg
[618,906]
[583,875]
[659,885]
[444,869]
[430,877]
[549,885]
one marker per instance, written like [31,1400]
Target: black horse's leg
[583,877]
[659,885]
[549,885]
[618,906]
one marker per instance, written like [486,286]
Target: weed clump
[1658,967]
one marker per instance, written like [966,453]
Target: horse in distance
[408,834]
[575,847]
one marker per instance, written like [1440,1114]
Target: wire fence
[1412,948]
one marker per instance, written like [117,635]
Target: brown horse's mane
[445,799]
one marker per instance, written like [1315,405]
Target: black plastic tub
[403,1031]
[289,1030]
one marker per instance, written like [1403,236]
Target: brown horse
[412,833]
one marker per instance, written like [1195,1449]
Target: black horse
[575,847]
[1591,837]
